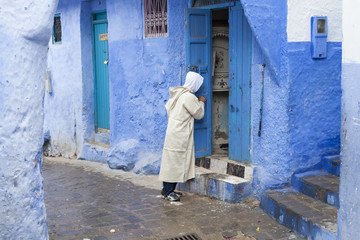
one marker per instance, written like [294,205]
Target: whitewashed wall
[351,31]
[301,11]
[349,213]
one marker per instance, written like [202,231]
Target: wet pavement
[88,201]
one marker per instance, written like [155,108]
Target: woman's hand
[202,98]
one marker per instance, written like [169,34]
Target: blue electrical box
[319,32]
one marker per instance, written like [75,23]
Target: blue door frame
[198,58]
[101,70]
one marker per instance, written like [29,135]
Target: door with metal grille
[101,72]
[198,59]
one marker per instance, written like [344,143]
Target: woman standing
[178,159]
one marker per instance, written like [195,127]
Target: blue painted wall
[25,29]
[69,119]
[270,151]
[63,107]
[141,71]
[301,109]
[349,212]
[314,104]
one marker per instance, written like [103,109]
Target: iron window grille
[155,18]
[57,34]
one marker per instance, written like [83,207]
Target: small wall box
[319,32]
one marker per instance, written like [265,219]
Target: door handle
[106,61]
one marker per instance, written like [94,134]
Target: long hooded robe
[178,159]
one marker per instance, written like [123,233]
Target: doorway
[220,86]
[101,71]
[218,46]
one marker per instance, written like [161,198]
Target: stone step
[222,164]
[319,185]
[331,164]
[102,136]
[302,214]
[216,185]
[95,152]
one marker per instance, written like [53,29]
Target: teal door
[101,71]
[198,59]
[240,46]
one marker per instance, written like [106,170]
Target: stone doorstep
[219,186]
[222,164]
[319,185]
[300,213]
[102,137]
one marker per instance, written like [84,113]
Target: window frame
[53,30]
[155,35]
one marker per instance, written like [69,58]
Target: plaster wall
[69,119]
[63,106]
[141,70]
[351,31]
[299,17]
[314,104]
[270,150]
[349,212]
[301,106]
[25,27]
[315,84]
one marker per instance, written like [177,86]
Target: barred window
[155,18]
[57,29]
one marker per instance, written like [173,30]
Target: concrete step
[319,185]
[222,164]
[331,164]
[302,214]
[216,185]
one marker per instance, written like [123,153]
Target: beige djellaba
[178,159]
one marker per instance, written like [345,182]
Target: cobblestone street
[87,200]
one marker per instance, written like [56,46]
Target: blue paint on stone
[300,123]
[139,85]
[267,20]
[348,217]
[215,186]
[294,220]
[331,164]
[98,5]
[301,119]
[95,153]
[314,104]
[63,107]
[124,155]
[22,85]
[324,195]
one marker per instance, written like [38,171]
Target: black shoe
[179,194]
[173,197]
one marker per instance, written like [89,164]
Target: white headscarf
[193,81]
